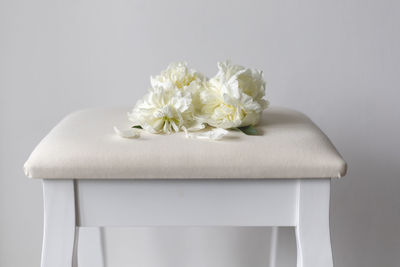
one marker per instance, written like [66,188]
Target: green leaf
[249,130]
[137,127]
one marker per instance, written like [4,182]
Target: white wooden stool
[93,178]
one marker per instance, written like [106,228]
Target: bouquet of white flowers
[185,100]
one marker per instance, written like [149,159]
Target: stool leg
[312,230]
[90,247]
[59,223]
[273,246]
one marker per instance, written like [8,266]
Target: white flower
[183,99]
[163,111]
[235,97]
[172,101]
[178,76]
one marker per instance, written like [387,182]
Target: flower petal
[214,134]
[127,133]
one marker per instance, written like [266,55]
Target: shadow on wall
[197,246]
[365,213]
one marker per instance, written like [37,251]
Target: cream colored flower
[181,99]
[172,101]
[235,97]
[163,111]
[177,76]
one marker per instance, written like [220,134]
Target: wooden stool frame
[75,210]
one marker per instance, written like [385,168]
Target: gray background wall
[336,60]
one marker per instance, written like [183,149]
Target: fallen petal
[128,133]
[215,134]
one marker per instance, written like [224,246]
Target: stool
[93,178]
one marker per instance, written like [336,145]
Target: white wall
[336,60]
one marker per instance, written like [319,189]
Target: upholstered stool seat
[94,178]
[84,146]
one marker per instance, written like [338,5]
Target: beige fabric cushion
[84,146]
